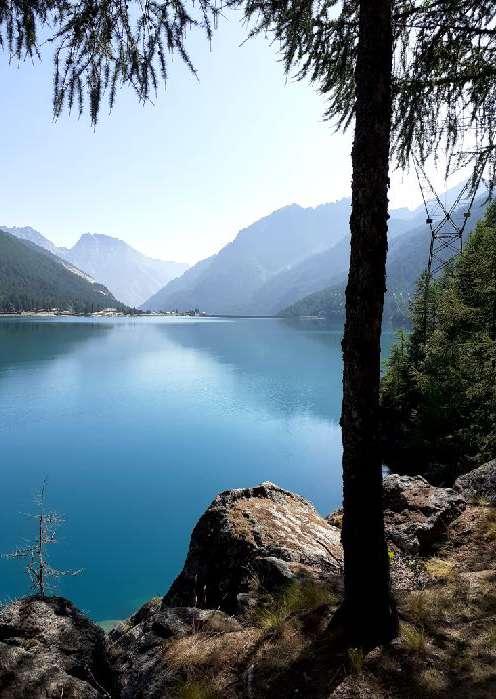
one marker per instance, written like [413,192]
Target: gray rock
[416,514]
[136,647]
[252,540]
[479,484]
[49,649]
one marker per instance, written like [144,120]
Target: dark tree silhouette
[368,608]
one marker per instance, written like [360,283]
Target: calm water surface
[138,423]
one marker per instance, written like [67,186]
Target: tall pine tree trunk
[368,606]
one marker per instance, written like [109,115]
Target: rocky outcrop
[49,649]
[137,647]
[254,540]
[416,514]
[479,485]
[248,543]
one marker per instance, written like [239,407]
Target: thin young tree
[413,76]
[38,568]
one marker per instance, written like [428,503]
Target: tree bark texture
[368,608]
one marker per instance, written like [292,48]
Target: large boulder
[479,485]
[416,514]
[138,647]
[49,649]
[254,540]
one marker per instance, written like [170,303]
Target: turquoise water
[138,423]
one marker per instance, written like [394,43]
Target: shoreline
[118,314]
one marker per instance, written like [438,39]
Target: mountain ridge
[407,259]
[131,276]
[280,258]
[226,281]
[128,273]
[32,277]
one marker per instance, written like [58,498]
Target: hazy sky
[179,178]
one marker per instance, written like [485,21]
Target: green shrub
[413,638]
[299,596]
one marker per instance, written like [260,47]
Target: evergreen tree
[438,394]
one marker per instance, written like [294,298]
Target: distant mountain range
[291,262]
[273,263]
[227,282]
[129,275]
[407,259]
[31,277]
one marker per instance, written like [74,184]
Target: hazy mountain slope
[408,256]
[272,263]
[28,233]
[227,282]
[172,295]
[313,274]
[407,259]
[131,276]
[31,277]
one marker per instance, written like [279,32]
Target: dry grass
[482,501]
[422,606]
[449,601]
[413,638]
[206,651]
[440,569]
[298,597]
[488,639]
[209,664]
[489,524]
[356,658]
[281,647]
[447,646]
[480,672]
[433,681]
[196,689]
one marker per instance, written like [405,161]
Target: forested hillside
[129,275]
[32,278]
[439,391]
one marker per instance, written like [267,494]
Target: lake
[138,423]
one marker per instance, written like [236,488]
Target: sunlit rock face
[254,540]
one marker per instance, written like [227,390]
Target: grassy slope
[446,646]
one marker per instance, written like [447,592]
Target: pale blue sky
[179,178]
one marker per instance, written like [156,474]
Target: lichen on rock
[251,540]
[48,648]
